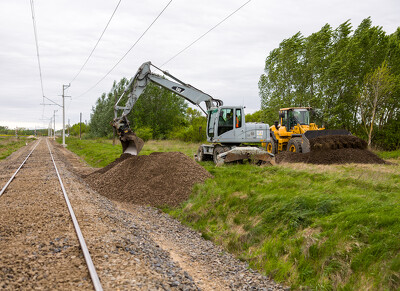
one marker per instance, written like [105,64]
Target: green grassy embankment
[100,152]
[9,144]
[318,227]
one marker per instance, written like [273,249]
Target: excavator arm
[130,142]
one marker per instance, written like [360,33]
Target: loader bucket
[131,144]
[314,140]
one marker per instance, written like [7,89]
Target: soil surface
[157,179]
[333,142]
[328,157]
[133,247]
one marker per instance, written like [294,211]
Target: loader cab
[290,117]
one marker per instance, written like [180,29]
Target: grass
[308,226]
[321,227]
[389,155]
[100,152]
[9,144]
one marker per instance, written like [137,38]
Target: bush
[145,133]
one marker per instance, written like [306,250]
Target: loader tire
[271,147]
[294,145]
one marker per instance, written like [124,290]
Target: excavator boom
[130,142]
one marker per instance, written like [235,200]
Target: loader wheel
[217,150]
[294,145]
[271,147]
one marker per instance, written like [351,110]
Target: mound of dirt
[333,142]
[157,179]
[328,157]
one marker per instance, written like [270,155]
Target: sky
[227,63]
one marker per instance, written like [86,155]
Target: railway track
[20,182]
[135,248]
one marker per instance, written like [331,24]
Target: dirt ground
[133,247]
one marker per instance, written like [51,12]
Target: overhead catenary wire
[204,34]
[141,36]
[37,44]
[94,48]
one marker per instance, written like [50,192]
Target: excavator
[227,132]
[295,133]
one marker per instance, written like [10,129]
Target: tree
[327,70]
[374,99]
[257,116]
[157,109]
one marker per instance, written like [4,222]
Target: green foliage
[145,133]
[257,116]
[193,128]
[331,228]
[20,131]
[100,152]
[74,129]
[103,112]
[327,70]
[9,144]
[158,109]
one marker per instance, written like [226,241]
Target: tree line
[350,77]
[157,114]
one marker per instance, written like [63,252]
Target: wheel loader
[227,132]
[295,133]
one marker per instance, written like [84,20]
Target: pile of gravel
[157,179]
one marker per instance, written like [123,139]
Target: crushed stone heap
[157,179]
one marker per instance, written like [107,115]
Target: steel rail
[92,270]
[12,177]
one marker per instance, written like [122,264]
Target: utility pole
[63,106]
[80,125]
[54,122]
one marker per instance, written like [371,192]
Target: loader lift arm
[130,142]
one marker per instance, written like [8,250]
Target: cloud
[226,63]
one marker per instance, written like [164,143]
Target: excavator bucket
[131,144]
[314,140]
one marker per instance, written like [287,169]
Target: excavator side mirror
[281,114]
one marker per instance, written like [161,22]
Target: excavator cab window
[225,120]
[212,114]
[238,118]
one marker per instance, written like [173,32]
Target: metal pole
[63,107]
[54,120]
[80,125]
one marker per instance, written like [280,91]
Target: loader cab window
[302,115]
[238,118]
[291,119]
[225,120]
